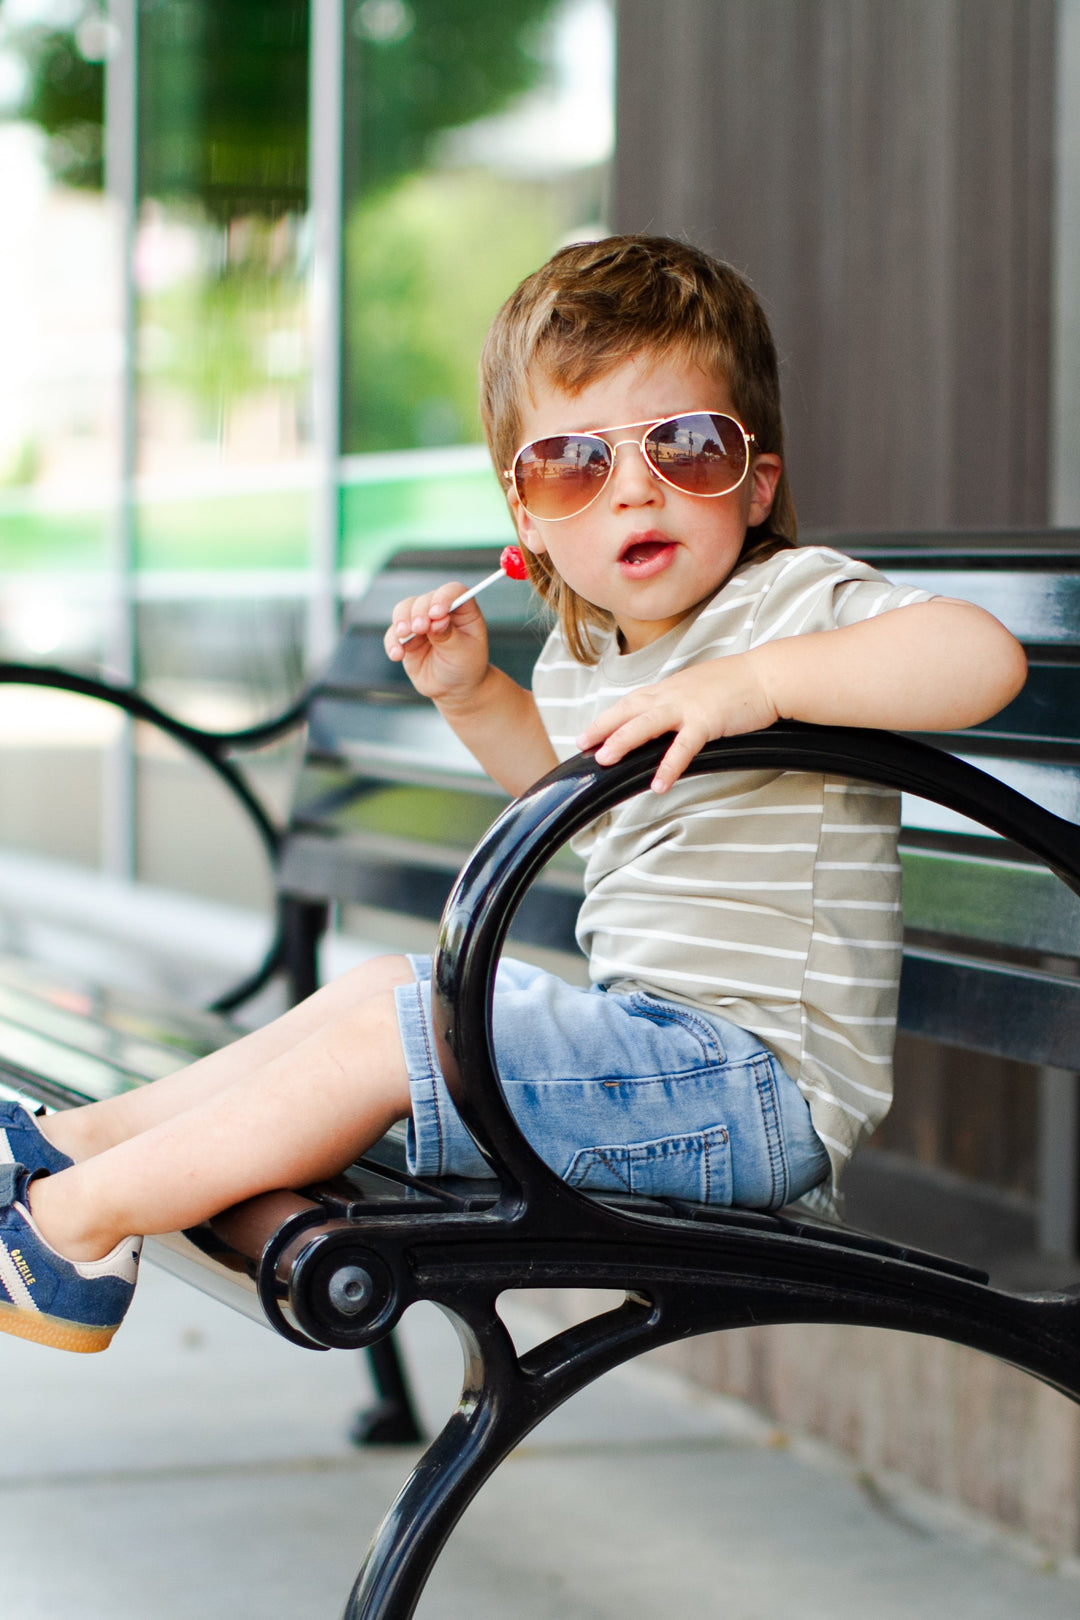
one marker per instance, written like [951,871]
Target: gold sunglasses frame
[650,426]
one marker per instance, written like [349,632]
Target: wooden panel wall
[883,173]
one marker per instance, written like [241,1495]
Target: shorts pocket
[665,1014]
[696,1166]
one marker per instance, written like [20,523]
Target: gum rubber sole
[54,1331]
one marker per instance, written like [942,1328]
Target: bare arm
[932,666]
[501,727]
[447,660]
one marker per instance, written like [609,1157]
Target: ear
[763,477]
[528,531]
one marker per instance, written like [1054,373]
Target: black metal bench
[336,1265]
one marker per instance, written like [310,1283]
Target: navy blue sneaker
[22,1143]
[70,1304]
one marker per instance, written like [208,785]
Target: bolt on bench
[334,1266]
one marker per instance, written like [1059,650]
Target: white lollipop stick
[512,566]
[459,601]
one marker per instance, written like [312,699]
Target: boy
[742,931]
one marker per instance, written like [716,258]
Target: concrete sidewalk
[199,1469]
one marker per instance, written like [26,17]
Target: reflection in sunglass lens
[557,477]
[701,454]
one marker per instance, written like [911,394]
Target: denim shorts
[619,1093]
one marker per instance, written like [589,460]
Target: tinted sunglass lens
[703,454]
[558,477]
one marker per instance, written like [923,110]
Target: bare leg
[82,1132]
[301,1116]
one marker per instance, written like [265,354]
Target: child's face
[647,553]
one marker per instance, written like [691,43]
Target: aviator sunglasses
[698,452]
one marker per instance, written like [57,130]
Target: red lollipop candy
[511,563]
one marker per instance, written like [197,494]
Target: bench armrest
[212,748]
[526,835]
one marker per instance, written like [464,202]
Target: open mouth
[646,554]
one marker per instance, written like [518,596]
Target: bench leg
[303,923]
[391,1419]
[502,1399]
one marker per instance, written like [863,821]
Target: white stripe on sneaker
[17,1290]
[6,1154]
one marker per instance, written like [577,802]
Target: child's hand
[446,657]
[723,697]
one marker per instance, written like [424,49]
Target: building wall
[883,173]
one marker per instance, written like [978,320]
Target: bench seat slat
[319,862]
[337,801]
[23,1051]
[315,870]
[190,1032]
[438,825]
[18,1009]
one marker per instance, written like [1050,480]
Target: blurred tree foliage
[424,66]
[223,105]
[223,146]
[224,91]
[429,261]
[65,94]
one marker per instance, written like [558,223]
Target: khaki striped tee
[769,897]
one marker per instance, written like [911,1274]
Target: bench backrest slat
[1009,903]
[1040,607]
[1002,1010]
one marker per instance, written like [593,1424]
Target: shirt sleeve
[821,589]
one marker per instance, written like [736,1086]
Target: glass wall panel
[221,251]
[60,382]
[224,424]
[477,138]
[59,333]
[223,446]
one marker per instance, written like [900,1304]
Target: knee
[375,977]
[365,1037]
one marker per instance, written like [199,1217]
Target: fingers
[690,737]
[425,618]
[607,726]
[640,728]
[618,737]
[720,697]
[687,744]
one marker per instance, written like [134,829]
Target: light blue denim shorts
[619,1093]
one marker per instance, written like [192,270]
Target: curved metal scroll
[211,747]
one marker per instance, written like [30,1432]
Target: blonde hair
[589,309]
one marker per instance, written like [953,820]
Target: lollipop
[511,564]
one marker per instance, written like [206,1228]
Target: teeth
[635,555]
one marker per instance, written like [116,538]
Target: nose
[633,482]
